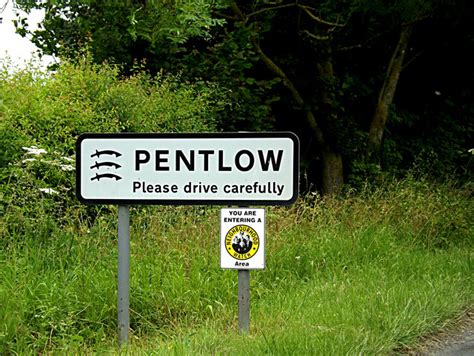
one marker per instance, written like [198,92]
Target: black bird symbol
[106,152]
[106,175]
[105,164]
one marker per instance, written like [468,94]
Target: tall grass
[366,273]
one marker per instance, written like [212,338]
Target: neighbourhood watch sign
[225,168]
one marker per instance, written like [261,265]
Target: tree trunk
[386,94]
[333,174]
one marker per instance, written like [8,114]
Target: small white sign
[243,238]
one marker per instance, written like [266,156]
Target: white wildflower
[48,191]
[28,160]
[297,257]
[67,167]
[437,93]
[33,150]
[69,159]
[471,151]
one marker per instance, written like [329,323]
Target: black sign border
[228,202]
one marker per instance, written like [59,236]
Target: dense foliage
[42,114]
[368,85]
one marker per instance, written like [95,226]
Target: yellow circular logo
[242,242]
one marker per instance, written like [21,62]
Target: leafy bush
[42,114]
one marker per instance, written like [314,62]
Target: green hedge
[43,113]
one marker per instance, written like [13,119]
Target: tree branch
[394,66]
[238,12]
[224,16]
[316,37]
[363,44]
[318,19]
[415,21]
[385,99]
[270,9]
[310,118]
[412,59]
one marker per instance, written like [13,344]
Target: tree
[122,32]
[328,71]
[413,12]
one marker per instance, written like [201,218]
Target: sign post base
[244,300]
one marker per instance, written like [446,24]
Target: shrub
[43,113]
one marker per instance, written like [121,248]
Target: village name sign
[225,169]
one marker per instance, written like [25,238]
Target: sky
[19,49]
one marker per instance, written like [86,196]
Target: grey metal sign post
[123,273]
[244,300]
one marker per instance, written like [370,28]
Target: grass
[368,273]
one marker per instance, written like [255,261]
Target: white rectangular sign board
[243,238]
[221,168]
